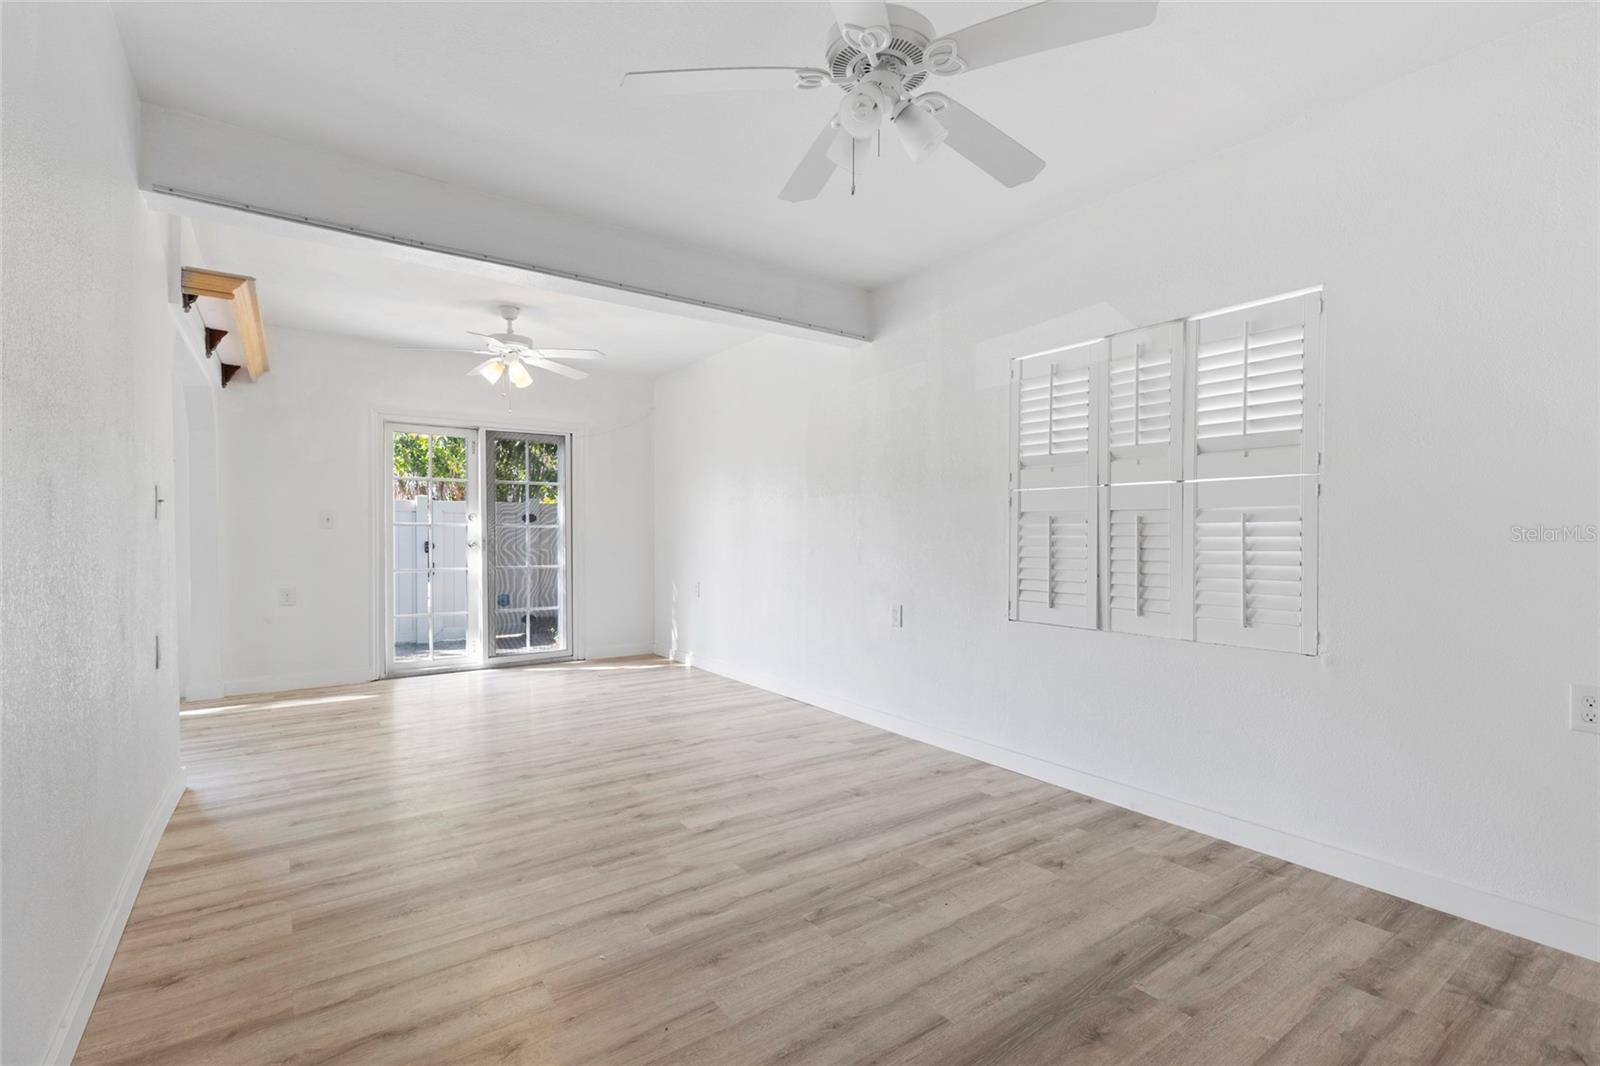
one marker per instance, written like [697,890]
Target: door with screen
[434,561]
[528,587]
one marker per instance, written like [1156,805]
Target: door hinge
[158,651]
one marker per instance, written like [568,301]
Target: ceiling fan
[511,354]
[884,55]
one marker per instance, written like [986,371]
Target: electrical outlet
[287,596]
[697,590]
[1585,708]
[897,616]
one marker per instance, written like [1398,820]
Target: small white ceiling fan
[883,55]
[511,354]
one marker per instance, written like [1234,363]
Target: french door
[477,544]
[528,588]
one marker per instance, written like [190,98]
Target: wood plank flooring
[633,862]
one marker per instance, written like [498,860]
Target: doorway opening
[478,547]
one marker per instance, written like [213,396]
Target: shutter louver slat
[1056,434]
[1252,566]
[1144,367]
[1253,394]
[1141,548]
[1054,557]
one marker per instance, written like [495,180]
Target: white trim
[379,422]
[1567,932]
[69,1030]
[1255,303]
[1062,350]
[268,683]
[621,651]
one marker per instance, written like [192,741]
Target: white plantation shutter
[1054,545]
[1254,396]
[1144,587]
[1254,562]
[1055,417]
[1164,480]
[1143,405]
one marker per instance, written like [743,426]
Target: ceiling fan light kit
[511,354]
[919,131]
[882,57]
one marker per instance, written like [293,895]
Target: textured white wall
[90,727]
[300,441]
[1452,217]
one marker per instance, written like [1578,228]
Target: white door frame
[473,653]
[564,497]
[477,427]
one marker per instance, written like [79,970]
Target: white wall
[89,771]
[300,441]
[1452,217]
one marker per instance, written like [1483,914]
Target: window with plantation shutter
[1165,480]
[1254,562]
[1253,395]
[1054,554]
[1143,405]
[1144,589]
[1055,410]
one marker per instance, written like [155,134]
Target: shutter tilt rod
[1138,564]
[1244,554]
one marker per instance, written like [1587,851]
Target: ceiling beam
[186,159]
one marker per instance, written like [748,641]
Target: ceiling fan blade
[717,79]
[814,170]
[556,368]
[994,153]
[863,13]
[568,353]
[1041,27]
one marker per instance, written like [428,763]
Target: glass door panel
[433,560]
[528,588]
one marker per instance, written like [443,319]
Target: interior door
[529,541]
[434,557]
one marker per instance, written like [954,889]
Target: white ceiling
[523,100]
[365,289]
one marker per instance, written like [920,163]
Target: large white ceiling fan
[883,56]
[511,354]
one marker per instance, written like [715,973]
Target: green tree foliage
[532,463]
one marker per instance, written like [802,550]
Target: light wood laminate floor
[632,862]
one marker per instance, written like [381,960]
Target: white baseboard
[256,686]
[1554,929]
[619,651]
[64,1040]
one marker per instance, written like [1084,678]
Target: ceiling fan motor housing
[909,34]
